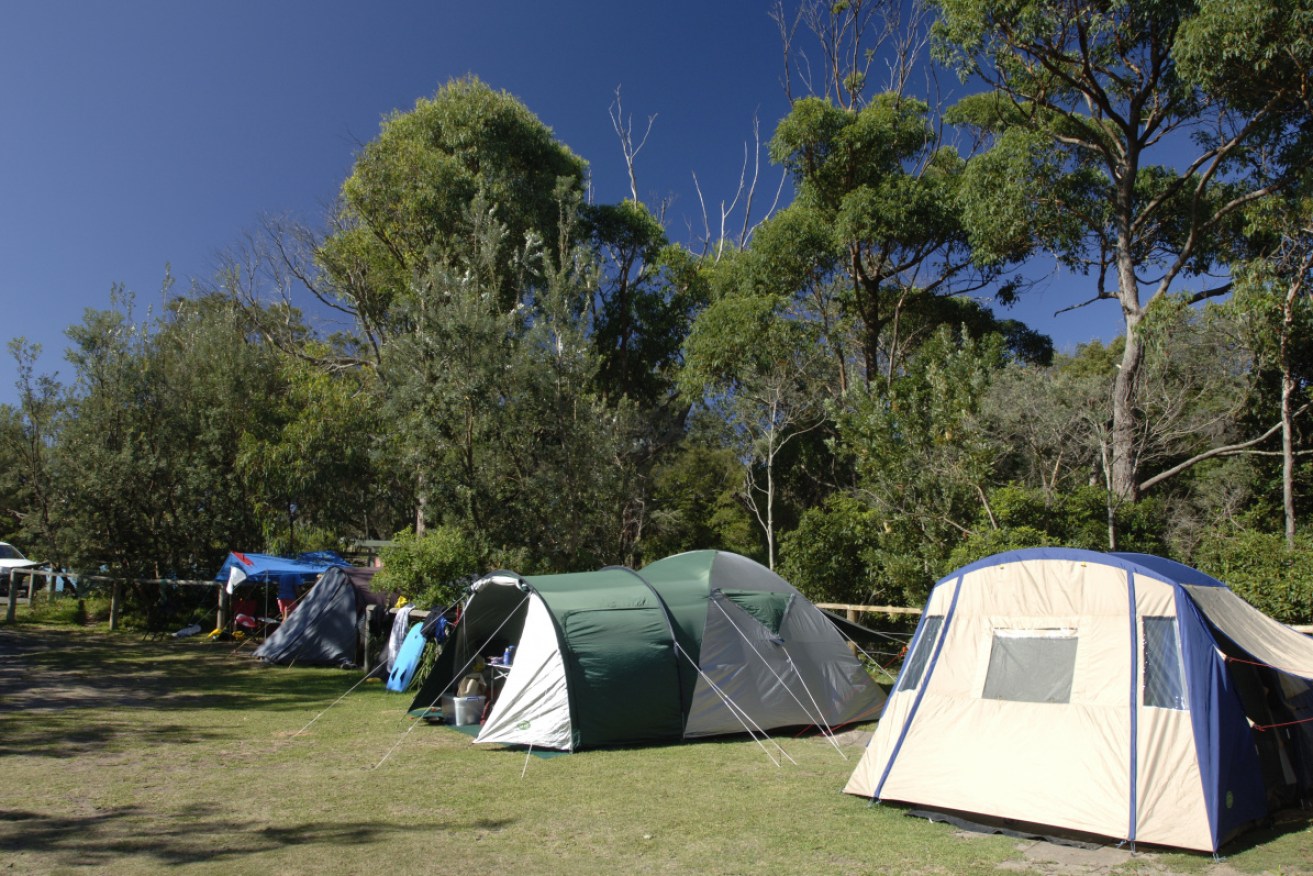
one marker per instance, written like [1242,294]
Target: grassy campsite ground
[121,756]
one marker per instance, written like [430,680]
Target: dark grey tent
[322,629]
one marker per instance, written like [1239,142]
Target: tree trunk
[1123,477]
[1125,461]
[1288,390]
[770,516]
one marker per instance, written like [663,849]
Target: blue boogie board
[403,668]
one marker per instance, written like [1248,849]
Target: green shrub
[429,569]
[823,557]
[988,542]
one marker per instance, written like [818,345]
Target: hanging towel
[400,626]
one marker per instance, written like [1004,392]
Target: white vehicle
[11,558]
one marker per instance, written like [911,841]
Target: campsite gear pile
[1118,695]
[699,644]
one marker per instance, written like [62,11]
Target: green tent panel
[620,666]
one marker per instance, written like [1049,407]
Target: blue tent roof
[1165,569]
[263,567]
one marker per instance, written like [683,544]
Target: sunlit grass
[128,757]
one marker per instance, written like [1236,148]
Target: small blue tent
[1119,695]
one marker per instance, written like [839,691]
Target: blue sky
[140,134]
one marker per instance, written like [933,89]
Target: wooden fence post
[367,636]
[115,604]
[225,608]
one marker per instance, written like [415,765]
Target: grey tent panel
[1265,639]
[322,629]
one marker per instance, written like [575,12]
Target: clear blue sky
[137,134]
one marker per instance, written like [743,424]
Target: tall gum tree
[407,205]
[1112,152]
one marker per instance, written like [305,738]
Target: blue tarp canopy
[263,567]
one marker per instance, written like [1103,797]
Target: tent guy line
[415,723]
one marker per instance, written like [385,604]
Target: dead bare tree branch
[624,130]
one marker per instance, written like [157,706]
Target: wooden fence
[115,590]
[222,614]
[854,610]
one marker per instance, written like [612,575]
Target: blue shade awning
[263,567]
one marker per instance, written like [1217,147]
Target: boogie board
[403,668]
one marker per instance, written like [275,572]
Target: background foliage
[535,381]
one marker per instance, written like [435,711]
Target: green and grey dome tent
[749,637]
[698,644]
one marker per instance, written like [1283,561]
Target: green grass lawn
[119,756]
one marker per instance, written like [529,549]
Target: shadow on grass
[69,735]
[196,833]
[1287,821]
[50,678]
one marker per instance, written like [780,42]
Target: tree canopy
[536,380]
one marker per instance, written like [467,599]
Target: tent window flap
[1031,666]
[1164,682]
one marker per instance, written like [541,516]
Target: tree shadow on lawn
[193,834]
[57,670]
[70,734]
[62,691]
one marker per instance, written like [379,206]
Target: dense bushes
[429,569]
[1259,567]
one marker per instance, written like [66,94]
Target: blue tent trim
[1135,709]
[1170,570]
[1234,794]
[925,683]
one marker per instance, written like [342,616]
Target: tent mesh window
[920,656]
[1031,666]
[1164,682]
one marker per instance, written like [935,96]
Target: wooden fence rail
[115,593]
[116,596]
[1306,629]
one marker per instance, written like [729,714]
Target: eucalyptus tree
[1275,297]
[648,292]
[573,457]
[1120,147]
[761,368]
[874,224]
[311,462]
[29,434]
[147,463]
[467,181]
[1199,396]
[406,205]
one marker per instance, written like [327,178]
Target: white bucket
[464,710]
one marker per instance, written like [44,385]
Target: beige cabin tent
[1119,695]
